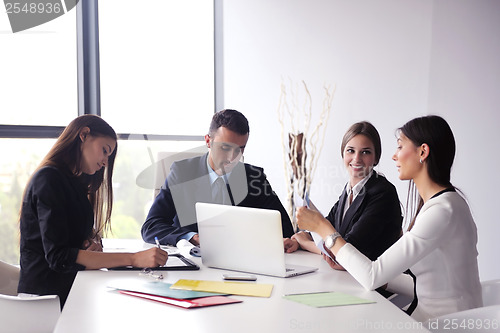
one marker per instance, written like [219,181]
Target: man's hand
[195,240]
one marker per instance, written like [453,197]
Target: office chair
[24,314]
[9,278]
[165,160]
[29,314]
[491,292]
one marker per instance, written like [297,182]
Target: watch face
[329,241]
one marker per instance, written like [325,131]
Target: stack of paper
[185,303]
[161,292]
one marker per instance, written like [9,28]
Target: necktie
[219,185]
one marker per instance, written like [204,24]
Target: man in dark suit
[216,177]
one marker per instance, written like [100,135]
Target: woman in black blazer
[368,212]
[66,206]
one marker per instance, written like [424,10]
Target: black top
[189,182]
[448,189]
[56,218]
[373,221]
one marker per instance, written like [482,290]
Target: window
[38,86]
[38,83]
[23,156]
[156,80]
[134,182]
[156,77]
[157,65]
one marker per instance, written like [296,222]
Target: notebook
[244,239]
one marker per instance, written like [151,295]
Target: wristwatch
[330,239]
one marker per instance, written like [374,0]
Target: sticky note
[232,288]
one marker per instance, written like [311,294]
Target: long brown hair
[66,153]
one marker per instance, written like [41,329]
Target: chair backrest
[29,314]
[491,292]
[165,160]
[9,279]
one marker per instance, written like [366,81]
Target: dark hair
[231,119]
[437,134]
[367,129]
[66,154]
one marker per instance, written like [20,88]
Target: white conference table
[93,307]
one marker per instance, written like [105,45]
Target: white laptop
[244,239]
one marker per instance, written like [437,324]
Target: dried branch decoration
[300,140]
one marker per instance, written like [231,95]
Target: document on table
[233,288]
[325,299]
[158,288]
[185,303]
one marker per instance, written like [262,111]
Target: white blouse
[440,250]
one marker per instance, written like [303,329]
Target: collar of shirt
[213,175]
[358,187]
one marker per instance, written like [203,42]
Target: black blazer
[56,218]
[373,221]
[189,182]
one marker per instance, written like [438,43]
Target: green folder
[325,299]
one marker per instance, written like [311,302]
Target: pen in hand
[158,245]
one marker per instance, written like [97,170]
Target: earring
[421,161]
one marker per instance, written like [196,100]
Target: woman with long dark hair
[66,206]
[439,246]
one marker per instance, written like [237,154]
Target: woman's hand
[333,264]
[312,220]
[290,244]
[153,257]
[302,240]
[302,236]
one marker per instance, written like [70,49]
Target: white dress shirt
[440,250]
[355,190]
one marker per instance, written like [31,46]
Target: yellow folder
[233,288]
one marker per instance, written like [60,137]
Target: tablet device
[175,262]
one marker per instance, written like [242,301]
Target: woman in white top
[439,246]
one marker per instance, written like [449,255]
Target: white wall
[391,61]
